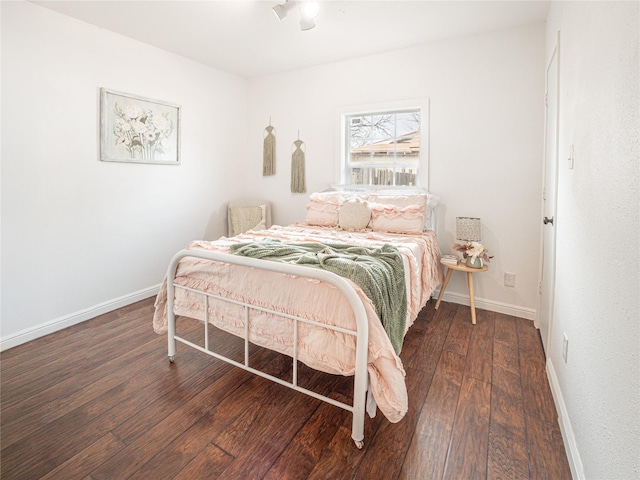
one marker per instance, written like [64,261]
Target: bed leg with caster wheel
[171,316]
[360,386]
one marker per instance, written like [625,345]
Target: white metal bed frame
[361,377]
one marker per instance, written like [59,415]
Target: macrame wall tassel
[298,182]
[269,152]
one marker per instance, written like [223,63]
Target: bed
[315,316]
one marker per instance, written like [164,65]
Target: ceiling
[244,37]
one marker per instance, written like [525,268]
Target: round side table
[462,267]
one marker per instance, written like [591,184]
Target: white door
[548,267]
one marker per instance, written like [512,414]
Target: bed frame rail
[361,333]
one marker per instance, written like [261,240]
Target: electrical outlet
[565,346]
[509,279]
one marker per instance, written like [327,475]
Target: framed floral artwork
[138,129]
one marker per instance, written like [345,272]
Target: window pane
[359,130]
[407,122]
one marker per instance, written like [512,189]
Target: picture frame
[136,129]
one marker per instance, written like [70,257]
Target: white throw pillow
[354,215]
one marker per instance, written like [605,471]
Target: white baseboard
[65,321]
[570,445]
[492,306]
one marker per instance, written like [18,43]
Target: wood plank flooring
[100,400]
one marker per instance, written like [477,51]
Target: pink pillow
[321,214]
[393,219]
[323,207]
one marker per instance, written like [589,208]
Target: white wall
[597,299]
[78,233]
[486,141]
[74,224]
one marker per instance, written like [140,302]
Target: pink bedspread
[319,348]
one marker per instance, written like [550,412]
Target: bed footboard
[361,333]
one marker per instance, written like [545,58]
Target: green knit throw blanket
[378,271]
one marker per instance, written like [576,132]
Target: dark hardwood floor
[100,400]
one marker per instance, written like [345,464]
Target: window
[382,148]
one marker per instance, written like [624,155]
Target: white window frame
[342,172]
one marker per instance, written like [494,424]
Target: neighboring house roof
[408,144]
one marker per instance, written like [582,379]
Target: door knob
[546,220]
